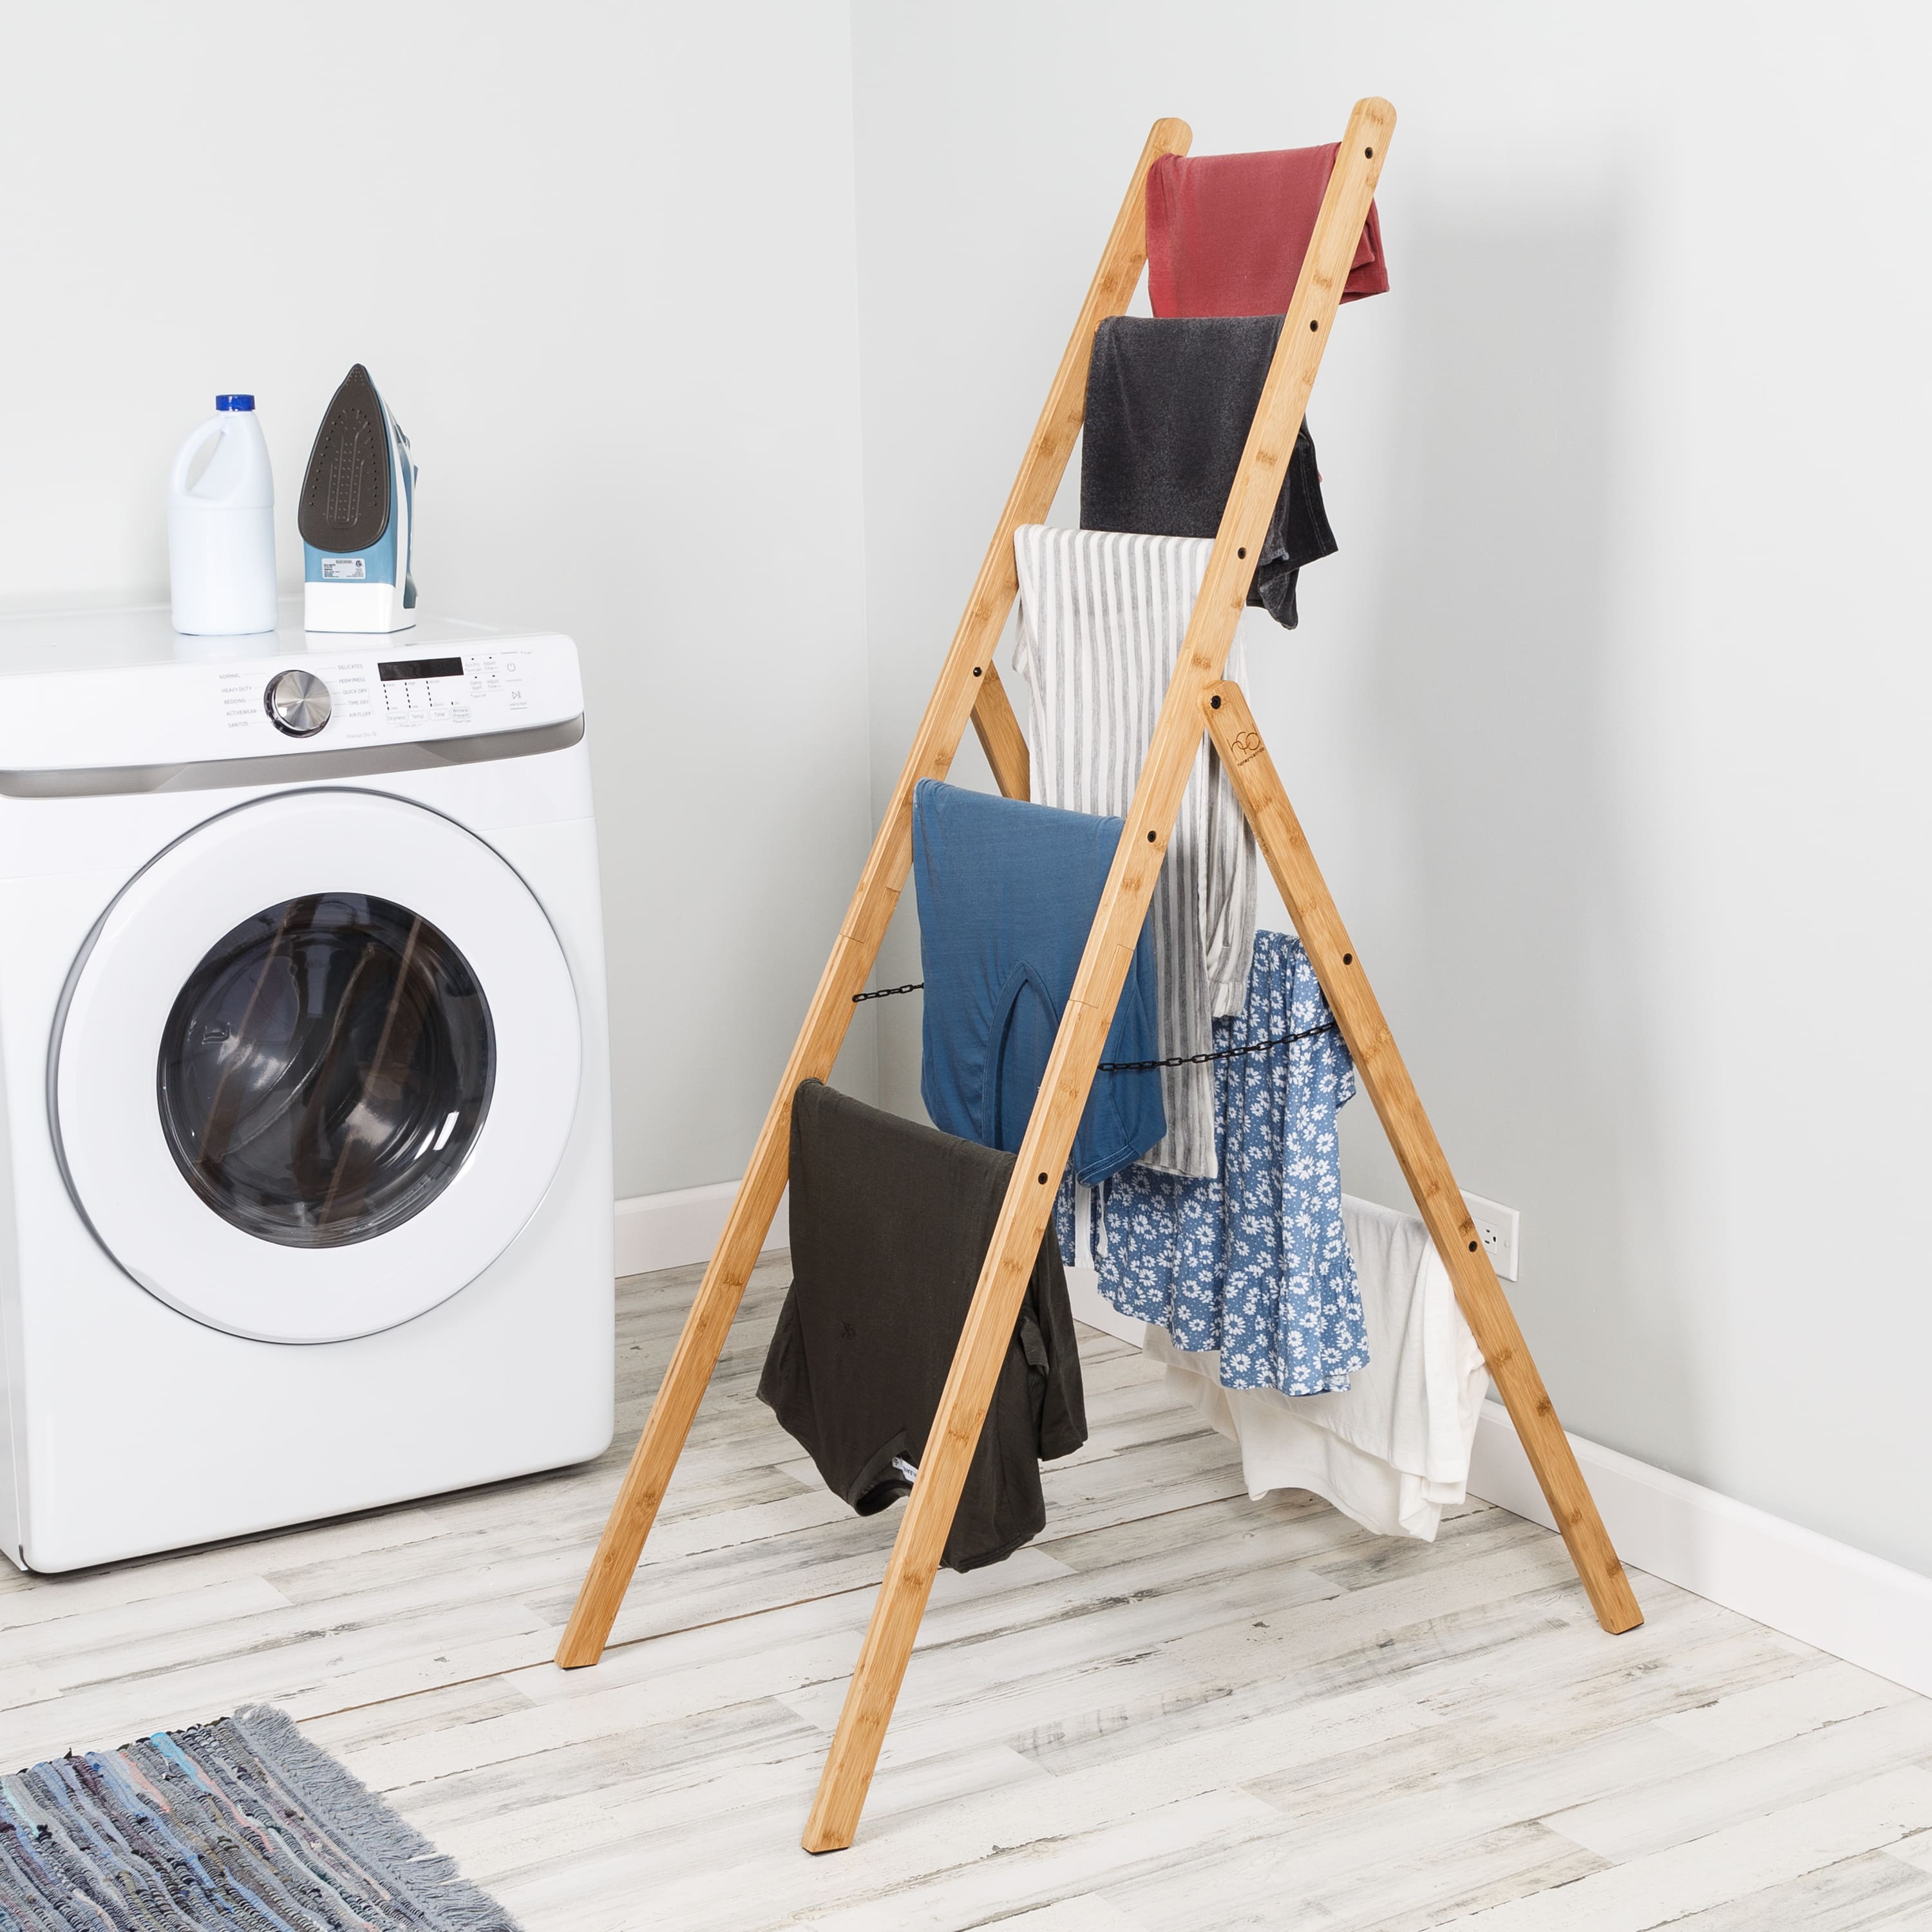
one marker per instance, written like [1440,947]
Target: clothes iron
[357,516]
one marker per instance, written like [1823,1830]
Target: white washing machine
[305,1191]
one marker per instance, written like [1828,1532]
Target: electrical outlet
[1502,1230]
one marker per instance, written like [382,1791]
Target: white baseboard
[675,1229]
[1869,1612]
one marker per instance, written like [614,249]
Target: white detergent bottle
[221,526]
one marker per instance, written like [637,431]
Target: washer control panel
[284,695]
[385,695]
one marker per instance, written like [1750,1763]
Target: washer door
[315,1066]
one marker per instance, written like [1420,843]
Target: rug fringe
[336,1794]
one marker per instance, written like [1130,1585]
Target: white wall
[1609,721]
[600,260]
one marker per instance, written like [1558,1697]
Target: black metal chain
[886,992]
[1145,1066]
[1201,1059]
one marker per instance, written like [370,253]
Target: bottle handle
[189,451]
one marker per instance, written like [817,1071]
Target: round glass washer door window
[326,1069]
[315,1066]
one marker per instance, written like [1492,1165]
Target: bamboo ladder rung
[1001,737]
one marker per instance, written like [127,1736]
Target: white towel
[1394,1450]
[1103,614]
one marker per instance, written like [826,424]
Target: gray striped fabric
[1103,617]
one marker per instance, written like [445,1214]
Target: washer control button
[298,703]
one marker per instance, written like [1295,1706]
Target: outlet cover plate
[1502,1230]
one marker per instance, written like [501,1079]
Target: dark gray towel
[1169,404]
[890,1224]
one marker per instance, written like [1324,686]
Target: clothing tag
[1083,1224]
[906,1471]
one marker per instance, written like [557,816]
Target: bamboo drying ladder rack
[1197,699]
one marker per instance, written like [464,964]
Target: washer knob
[298,703]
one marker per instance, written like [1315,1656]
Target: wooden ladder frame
[1196,699]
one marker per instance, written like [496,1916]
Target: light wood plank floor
[1178,1710]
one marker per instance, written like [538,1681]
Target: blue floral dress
[1255,1262]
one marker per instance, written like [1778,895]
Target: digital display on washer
[420,667]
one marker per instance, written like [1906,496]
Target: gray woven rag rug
[242,1824]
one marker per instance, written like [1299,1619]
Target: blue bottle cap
[234,402]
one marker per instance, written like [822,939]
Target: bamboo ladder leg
[1424,1166]
[966,675]
[1103,967]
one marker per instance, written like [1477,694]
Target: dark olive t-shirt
[890,1223]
